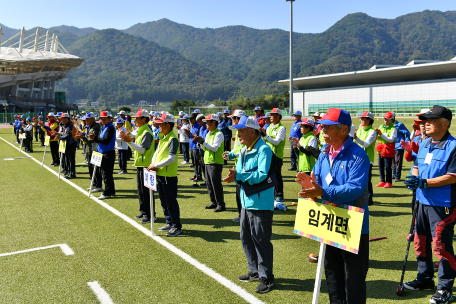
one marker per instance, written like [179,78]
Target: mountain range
[166,60]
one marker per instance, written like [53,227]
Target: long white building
[30,64]
[403,89]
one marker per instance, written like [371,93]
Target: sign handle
[60,166]
[20,147]
[321,260]
[12,135]
[93,177]
[44,155]
[152,210]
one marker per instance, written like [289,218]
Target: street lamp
[291,54]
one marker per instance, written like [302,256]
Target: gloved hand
[262,133]
[414,182]
[199,140]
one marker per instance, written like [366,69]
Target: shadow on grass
[394,195]
[378,213]
[389,288]
[295,284]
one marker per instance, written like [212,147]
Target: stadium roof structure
[416,70]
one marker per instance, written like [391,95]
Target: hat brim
[328,122]
[206,120]
[239,126]
[429,116]
[306,124]
[269,113]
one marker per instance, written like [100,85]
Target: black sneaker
[250,277]
[442,296]
[211,206]
[145,220]
[291,169]
[420,285]
[397,179]
[174,232]
[219,209]
[167,227]
[264,286]
[139,217]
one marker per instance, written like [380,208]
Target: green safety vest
[386,129]
[362,134]
[162,154]
[237,147]
[306,162]
[211,157]
[272,132]
[321,138]
[144,160]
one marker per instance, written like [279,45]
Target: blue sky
[309,16]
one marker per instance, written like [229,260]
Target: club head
[400,290]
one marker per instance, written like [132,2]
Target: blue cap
[22,116]
[40,116]
[197,111]
[335,116]
[266,116]
[89,115]
[257,109]
[59,113]
[246,122]
[298,113]
[28,119]
[120,120]
[118,116]
[219,114]
[226,111]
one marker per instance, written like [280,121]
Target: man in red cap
[106,141]
[51,126]
[387,134]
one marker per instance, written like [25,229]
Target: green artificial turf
[38,210]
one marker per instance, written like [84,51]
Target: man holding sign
[165,164]
[340,175]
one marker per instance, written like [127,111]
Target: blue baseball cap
[28,119]
[120,120]
[22,116]
[197,111]
[298,113]
[226,111]
[59,113]
[257,109]
[335,116]
[219,114]
[246,122]
[89,115]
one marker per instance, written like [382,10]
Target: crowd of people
[334,160]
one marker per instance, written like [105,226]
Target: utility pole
[291,55]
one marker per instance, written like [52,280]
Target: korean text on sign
[338,226]
[150,180]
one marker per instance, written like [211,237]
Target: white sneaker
[95,189]
[184,162]
[102,197]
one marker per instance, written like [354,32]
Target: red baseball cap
[389,115]
[34,118]
[335,116]
[165,117]
[212,117]
[275,111]
[141,113]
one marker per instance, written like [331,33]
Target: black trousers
[36,136]
[346,273]
[97,179]
[196,163]
[214,184]
[227,145]
[278,190]
[293,159]
[256,232]
[167,191]
[28,144]
[42,135]
[107,168]
[123,156]
[54,145]
[143,193]
[203,166]
[385,164]
[397,163]
[70,159]
[185,151]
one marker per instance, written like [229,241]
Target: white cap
[51,114]
[165,117]
[212,117]
[246,122]
[238,113]
[181,113]
[122,113]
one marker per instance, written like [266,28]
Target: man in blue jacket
[402,134]
[434,178]
[340,176]
[295,132]
[257,209]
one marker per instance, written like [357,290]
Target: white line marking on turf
[205,269]
[65,248]
[101,294]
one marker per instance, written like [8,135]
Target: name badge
[329,178]
[428,159]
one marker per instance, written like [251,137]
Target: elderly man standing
[70,150]
[295,132]
[340,176]
[275,138]
[434,178]
[252,171]
[213,160]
